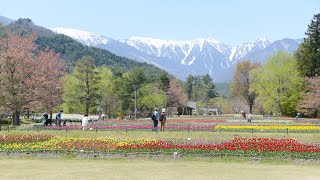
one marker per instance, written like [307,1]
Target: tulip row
[270,128]
[139,121]
[123,127]
[24,138]
[243,146]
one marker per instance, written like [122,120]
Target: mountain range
[70,50]
[182,57]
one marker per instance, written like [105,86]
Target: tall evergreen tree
[164,83]
[308,53]
[86,73]
[189,87]
[127,85]
[208,86]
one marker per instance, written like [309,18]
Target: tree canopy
[278,84]
[27,75]
[242,81]
[308,53]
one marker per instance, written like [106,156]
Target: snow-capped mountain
[182,57]
[239,51]
[87,38]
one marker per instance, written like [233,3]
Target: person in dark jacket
[162,119]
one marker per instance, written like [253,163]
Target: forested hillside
[71,50]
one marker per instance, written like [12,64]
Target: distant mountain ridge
[5,20]
[71,50]
[181,57]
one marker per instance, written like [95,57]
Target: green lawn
[126,168]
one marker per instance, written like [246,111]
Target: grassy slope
[151,169]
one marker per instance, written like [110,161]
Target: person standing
[85,122]
[249,118]
[58,119]
[298,116]
[162,119]
[46,117]
[155,118]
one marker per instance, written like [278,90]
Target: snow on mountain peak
[87,38]
[239,51]
[264,42]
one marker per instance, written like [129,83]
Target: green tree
[218,103]
[151,97]
[240,86]
[126,86]
[87,80]
[189,87]
[164,81]
[278,84]
[71,93]
[200,88]
[308,53]
[209,86]
[108,99]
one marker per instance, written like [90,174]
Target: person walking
[155,118]
[162,119]
[85,122]
[58,119]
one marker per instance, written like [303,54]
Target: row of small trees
[118,93]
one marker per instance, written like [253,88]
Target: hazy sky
[229,21]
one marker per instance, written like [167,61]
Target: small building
[188,109]
[210,111]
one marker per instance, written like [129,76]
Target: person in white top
[85,122]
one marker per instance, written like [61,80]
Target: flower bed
[263,147]
[126,127]
[299,128]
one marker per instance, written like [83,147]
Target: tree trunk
[87,106]
[315,114]
[16,118]
[250,108]
[50,114]
[28,113]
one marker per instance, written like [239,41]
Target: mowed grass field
[91,169]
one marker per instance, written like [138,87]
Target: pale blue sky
[229,21]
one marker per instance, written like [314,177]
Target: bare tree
[241,82]
[176,97]
[310,104]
